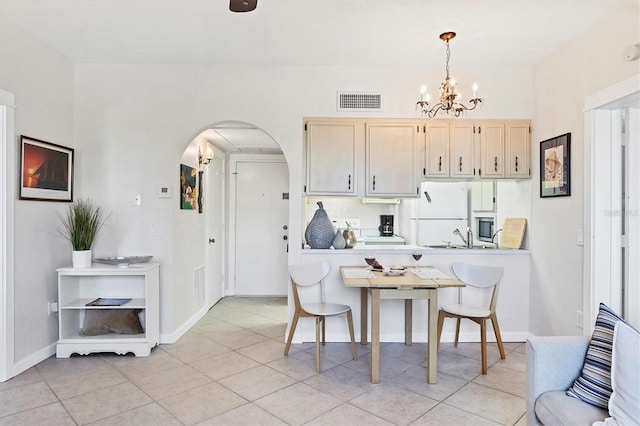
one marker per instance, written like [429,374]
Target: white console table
[79,286]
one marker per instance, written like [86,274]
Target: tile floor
[229,369]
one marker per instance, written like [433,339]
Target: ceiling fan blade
[242,5]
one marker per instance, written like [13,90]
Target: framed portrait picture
[555,166]
[46,171]
[188,190]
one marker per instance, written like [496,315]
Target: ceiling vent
[359,101]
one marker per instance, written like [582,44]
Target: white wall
[42,81]
[589,63]
[134,122]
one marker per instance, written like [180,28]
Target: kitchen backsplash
[513,199]
[343,207]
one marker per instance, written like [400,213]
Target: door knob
[212,240]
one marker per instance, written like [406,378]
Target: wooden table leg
[364,302]
[408,322]
[375,336]
[432,347]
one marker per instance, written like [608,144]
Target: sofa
[553,363]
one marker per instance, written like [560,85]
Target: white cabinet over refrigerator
[441,208]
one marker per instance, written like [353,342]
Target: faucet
[457,232]
[493,238]
[468,242]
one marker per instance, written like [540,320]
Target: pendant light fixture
[450,98]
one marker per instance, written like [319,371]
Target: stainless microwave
[484,229]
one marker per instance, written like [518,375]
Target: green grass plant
[81,224]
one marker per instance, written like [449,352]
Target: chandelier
[450,98]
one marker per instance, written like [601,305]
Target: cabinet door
[332,152]
[483,196]
[517,151]
[392,163]
[437,151]
[461,148]
[491,150]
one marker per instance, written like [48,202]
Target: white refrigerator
[441,208]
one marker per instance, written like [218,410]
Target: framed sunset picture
[46,171]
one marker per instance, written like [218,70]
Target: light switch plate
[580,237]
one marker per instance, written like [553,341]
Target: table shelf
[79,286]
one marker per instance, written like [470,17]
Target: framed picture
[46,171]
[200,191]
[555,166]
[188,190]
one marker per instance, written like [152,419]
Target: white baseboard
[170,338]
[33,359]
[515,336]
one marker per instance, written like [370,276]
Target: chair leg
[318,319]
[352,334]
[292,330]
[440,324]
[496,330]
[457,332]
[483,343]
[324,334]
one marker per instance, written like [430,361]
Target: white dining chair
[480,276]
[307,275]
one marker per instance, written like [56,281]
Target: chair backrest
[308,274]
[480,276]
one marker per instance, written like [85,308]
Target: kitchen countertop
[400,248]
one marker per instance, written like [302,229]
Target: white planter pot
[81,259]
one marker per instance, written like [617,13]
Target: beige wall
[42,82]
[589,63]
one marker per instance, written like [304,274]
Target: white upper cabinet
[333,149]
[492,149]
[387,158]
[517,149]
[437,148]
[393,161]
[461,149]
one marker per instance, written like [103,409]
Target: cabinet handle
[349,183]
[440,163]
[495,164]
[516,163]
[460,164]
[374,182]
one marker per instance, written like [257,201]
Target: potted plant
[80,227]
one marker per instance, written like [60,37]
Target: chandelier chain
[448,56]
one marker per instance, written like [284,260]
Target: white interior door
[215,207]
[261,235]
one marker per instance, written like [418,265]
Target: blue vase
[319,233]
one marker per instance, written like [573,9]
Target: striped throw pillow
[594,383]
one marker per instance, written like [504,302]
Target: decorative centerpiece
[319,233]
[80,227]
[338,241]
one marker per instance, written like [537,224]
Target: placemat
[430,274]
[357,273]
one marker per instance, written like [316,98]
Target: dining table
[402,283]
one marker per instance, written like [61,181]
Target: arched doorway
[246,199]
